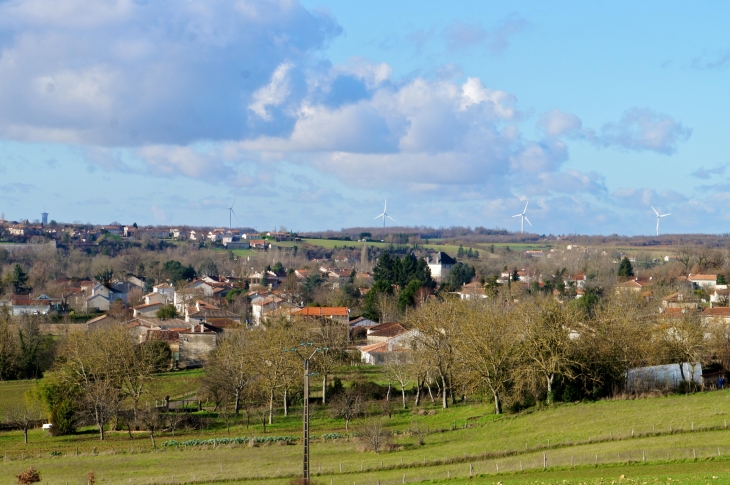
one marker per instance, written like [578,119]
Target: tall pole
[305,459]
[306,421]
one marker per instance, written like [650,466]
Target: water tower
[44,218]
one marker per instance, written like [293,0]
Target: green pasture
[11,393]
[451,249]
[680,436]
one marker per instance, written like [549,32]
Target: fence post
[643,455]
[404,478]
[694,454]
[544,460]
[693,425]
[520,465]
[340,467]
[471,470]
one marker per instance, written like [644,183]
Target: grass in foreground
[586,435]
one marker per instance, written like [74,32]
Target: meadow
[680,436]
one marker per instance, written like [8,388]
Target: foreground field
[677,436]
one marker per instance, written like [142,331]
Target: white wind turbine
[231,213]
[523,218]
[385,213]
[658,216]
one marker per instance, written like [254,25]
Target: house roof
[148,306]
[673,312]
[441,258]
[374,347]
[703,277]
[679,297]
[718,311]
[390,329]
[323,311]
[631,284]
[214,313]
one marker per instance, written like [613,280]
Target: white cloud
[123,73]
[558,123]
[644,129]
[638,129]
[273,94]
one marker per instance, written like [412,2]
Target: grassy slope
[11,392]
[576,432]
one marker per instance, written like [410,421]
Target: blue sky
[312,113]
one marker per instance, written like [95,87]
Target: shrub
[28,476]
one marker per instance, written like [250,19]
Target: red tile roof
[323,311]
[386,330]
[718,311]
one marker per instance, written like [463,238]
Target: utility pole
[306,403]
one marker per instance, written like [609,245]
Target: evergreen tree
[625,270]
[19,279]
[460,253]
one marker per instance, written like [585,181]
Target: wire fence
[393,468]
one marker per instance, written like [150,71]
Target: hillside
[596,437]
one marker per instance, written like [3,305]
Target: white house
[165,289]
[703,280]
[440,264]
[148,310]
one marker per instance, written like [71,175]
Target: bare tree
[437,323]
[347,405]
[24,416]
[101,402]
[229,369]
[153,421]
[545,335]
[374,434]
[400,368]
[333,336]
[488,347]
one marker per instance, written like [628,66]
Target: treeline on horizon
[484,235]
[467,234]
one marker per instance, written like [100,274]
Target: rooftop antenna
[230,213]
[385,214]
[658,216]
[523,218]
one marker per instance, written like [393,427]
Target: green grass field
[11,393]
[439,246]
[681,436]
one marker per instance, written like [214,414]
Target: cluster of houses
[230,238]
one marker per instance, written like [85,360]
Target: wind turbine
[659,217]
[231,213]
[523,218]
[385,213]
